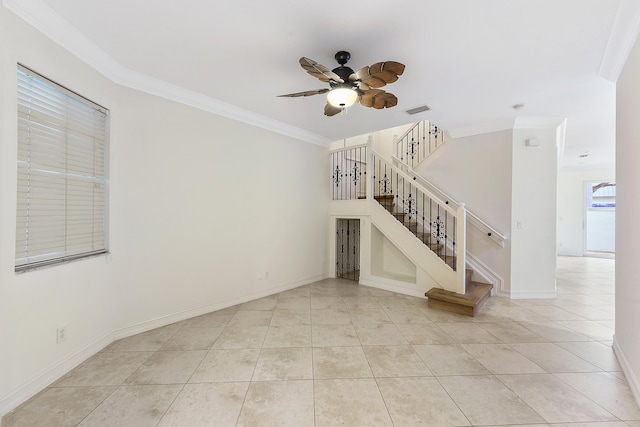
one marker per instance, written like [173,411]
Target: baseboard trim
[198,311]
[533,295]
[48,376]
[632,380]
[570,254]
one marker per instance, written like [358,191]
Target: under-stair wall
[379,229]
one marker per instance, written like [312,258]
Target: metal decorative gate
[348,249]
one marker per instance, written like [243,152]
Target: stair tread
[475,293]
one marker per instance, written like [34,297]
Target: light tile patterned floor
[335,353]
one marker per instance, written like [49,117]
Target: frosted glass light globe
[342,97]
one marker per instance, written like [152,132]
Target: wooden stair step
[468,304]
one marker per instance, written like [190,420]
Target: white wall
[216,205]
[627,338]
[388,261]
[570,231]
[200,208]
[533,214]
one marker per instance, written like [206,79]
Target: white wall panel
[627,339]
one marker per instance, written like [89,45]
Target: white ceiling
[469,61]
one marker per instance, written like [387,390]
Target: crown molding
[482,128]
[160,88]
[621,40]
[538,122]
[528,122]
[48,22]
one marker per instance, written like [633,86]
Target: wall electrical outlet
[61,334]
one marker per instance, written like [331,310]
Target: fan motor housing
[342,57]
[344,73]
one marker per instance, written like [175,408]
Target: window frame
[66,138]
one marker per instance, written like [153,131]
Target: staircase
[476,293]
[437,222]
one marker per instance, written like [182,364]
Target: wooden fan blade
[378,99]
[330,110]
[386,100]
[306,93]
[379,74]
[368,96]
[319,71]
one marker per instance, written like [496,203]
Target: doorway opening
[600,218]
[348,249]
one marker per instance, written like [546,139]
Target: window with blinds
[62,174]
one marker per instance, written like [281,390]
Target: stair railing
[438,224]
[418,143]
[348,169]
[473,219]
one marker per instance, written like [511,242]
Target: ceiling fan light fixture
[342,97]
[349,87]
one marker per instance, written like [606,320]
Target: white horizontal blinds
[61,209]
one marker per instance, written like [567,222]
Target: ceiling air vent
[417,110]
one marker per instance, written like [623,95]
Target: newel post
[461,248]
[396,146]
[369,169]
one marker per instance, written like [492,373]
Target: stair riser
[451,308]
[468,304]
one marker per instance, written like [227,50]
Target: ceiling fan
[348,87]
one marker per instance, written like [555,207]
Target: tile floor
[335,353]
